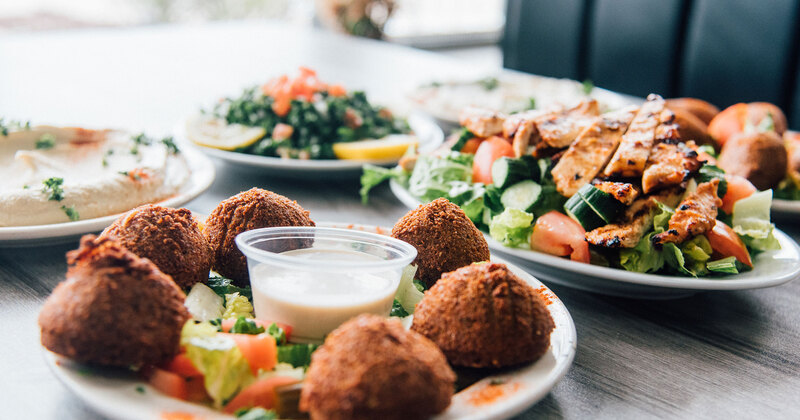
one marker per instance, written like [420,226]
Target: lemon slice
[217,133]
[389,147]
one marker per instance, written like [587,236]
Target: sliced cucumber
[577,208]
[533,167]
[507,171]
[522,196]
[604,204]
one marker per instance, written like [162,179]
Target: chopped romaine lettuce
[408,295]
[433,175]
[727,265]
[203,303]
[512,227]
[696,252]
[256,413]
[223,286]
[193,328]
[788,188]
[225,370]
[237,305]
[750,220]
[372,176]
[277,333]
[643,258]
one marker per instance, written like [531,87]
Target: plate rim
[419,119]
[630,277]
[507,407]
[202,174]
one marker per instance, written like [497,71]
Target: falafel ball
[483,315]
[114,308]
[365,363]
[760,157]
[251,209]
[444,236]
[168,237]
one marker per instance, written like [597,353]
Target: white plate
[202,175]
[771,268]
[113,393]
[429,134]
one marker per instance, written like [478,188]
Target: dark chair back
[723,51]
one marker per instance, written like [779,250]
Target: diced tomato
[728,122]
[738,188]
[282,105]
[726,243]
[471,145]
[196,389]
[183,366]
[282,131]
[168,383]
[489,150]
[227,324]
[258,394]
[336,90]
[556,234]
[260,350]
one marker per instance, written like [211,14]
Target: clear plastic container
[316,278]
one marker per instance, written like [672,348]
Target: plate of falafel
[155,320]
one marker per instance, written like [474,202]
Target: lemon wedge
[389,147]
[217,133]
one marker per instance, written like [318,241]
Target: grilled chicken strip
[588,154]
[668,165]
[636,222]
[521,128]
[696,215]
[560,130]
[482,122]
[624,193]
[634,148]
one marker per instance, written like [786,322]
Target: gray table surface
[713,355]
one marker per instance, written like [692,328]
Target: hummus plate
[201,175]
[119,394]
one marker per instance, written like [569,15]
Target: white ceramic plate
[113,393]
[429,134]
[771,268]
[202,175]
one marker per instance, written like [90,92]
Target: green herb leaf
[46,141]
[277,333]
[71,213]
[256,413]
[224,286]
[246,326]
[489,83]
[297,355]
[587,86]
[53,189]
[169,143]
[398,310]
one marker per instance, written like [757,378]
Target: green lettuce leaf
[224,369]
[512,227]
[408,295]
[223,286]
[203,303]
[643,258]
[750,220]
[246,326]
[372,176]
[433,175]
[297,355]
[237,306]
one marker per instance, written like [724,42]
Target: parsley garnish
[71,212]
[489,83]
[587,86]
[52,187]
[6,126]
[140,389]
[169,142]
[246,326]
[47,141]
[277,333]
[140,140]
[133,175]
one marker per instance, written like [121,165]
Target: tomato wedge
[738,188]
[260,350]
[556,234]
[489,150]
[258,394]
[726,243]
[183,366]
[728,123]
[471,145]
[168,383]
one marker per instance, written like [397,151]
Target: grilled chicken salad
[623,189]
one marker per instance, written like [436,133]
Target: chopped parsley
[140,140]
[587,86]
[169,142]
[140,389]
[398,310]
[246,326]
[6,126]
[489,83]
[25,187]
[71,213]
[133,175]
[52,187]
[277,333]
[47,141]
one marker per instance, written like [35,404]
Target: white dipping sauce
[315,303]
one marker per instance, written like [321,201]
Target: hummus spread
[61,174]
